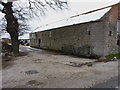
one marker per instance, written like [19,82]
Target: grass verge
[111,56]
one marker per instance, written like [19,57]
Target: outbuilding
[92,37]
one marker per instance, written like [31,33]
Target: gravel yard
[42,69]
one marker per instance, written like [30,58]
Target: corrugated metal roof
[80,19]
[77,19]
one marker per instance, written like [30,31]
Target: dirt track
[51,70]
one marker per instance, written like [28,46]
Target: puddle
[31,72]
[30,84]
[76,64]
[34,82]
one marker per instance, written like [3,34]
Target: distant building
[24,41]
[6,40]
[98,37]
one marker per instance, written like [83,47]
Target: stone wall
[92,38]
[111,38]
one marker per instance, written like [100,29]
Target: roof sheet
[76,20]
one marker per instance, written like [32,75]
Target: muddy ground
[45,69]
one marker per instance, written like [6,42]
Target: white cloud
[75,7]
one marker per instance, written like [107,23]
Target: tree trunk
[15,43]
[12,26]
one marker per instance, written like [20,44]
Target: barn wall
[82,39]
[111,38]
[98,37]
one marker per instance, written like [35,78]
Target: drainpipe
[118,31]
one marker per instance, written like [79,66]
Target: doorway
[39,41]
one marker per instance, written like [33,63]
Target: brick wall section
[113,14]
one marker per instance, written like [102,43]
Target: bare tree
[15,12]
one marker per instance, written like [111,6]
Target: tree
[14,12]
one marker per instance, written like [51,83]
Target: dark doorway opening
[39,42]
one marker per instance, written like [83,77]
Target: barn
[99,37]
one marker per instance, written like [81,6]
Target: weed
[111,56]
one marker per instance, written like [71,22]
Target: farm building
[100,36]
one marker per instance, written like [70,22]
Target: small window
[89,32]
[36,35]
[118,42]
[110,33]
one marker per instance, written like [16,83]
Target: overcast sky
[75,7]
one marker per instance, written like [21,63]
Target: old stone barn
[93,37]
